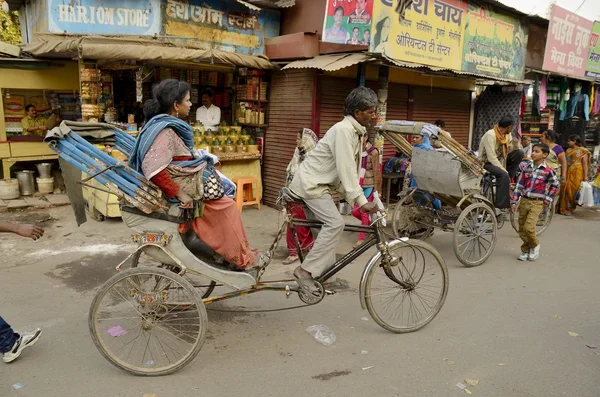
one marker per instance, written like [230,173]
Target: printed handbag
[212,185]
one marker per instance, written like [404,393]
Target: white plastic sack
[586,195]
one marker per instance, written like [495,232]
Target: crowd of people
[343,160]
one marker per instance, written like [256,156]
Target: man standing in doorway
[333,165]
[208,114]
[11,343]
[494,152]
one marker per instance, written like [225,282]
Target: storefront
[564,94]
[51,86]
[311,94]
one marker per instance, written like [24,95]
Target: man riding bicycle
[334,164]
[498,161]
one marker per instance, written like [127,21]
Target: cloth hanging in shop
[553,93]
[592,98]
[564,95]
[535,104]
[566,128]
[543,95]
[491,105]
[596,101]
[578,105]
[523,102]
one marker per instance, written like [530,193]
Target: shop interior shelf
[255,125]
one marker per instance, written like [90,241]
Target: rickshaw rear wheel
[152,328]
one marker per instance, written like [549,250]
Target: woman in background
[578,161]
[306,140]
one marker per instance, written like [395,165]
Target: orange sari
[568,200]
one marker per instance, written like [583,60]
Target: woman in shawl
[164,154]
[578,161]
[306,141]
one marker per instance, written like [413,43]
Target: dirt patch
[42,218]
[86,274]
[586,214]
[331,375]
[220,317]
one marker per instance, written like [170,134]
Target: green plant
[10,30]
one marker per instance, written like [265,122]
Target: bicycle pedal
[329,292]
[288,292]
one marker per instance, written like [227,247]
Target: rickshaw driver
[334,164]
[494,152]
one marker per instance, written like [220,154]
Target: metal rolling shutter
[333,91]
[290,109]
[452,106]
[397,109]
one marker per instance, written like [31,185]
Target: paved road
[504,312]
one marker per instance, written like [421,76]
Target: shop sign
[132,17]
[431,32]
[568,43]
[230,27]
[494,44]
[593,62]
[348,22]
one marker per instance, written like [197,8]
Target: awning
[111,49]
[477,76]
[330,62]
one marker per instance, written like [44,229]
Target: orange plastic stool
[244,193]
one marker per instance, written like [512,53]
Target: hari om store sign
[568,43]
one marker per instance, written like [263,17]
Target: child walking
[535,190]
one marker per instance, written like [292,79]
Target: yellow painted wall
[64,75]
[404,76]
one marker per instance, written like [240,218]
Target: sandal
[307,284]
[290,259]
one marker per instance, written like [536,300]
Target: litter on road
[592,346]
[472,382]
[322,334]
[366,368]
[574,334]
[17,386]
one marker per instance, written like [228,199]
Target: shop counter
[236,165]
[14,152]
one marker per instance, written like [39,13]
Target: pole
[382,96]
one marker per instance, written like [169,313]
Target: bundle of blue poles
[117,177]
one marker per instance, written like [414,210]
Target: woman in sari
[305,142]
[163,153]
[578,161]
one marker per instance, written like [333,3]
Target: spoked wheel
[141,327]
[404,216]
[543,222]
[399,309]
[475,234]
[203,285]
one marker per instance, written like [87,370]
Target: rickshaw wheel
[475,234]
[541,226]
[136,325]
[402,310]
[204,290]
[402,219]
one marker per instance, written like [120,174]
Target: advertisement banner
[431,32]
[135,17]
[228,27]
[568,43]
[494,44]
[348,22]
[593,62]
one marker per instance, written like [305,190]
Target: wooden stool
[244,194]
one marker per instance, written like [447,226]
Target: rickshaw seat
[289,196]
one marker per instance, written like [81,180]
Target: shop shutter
[397,109]
[290,109]
[452,106]
[333,91]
